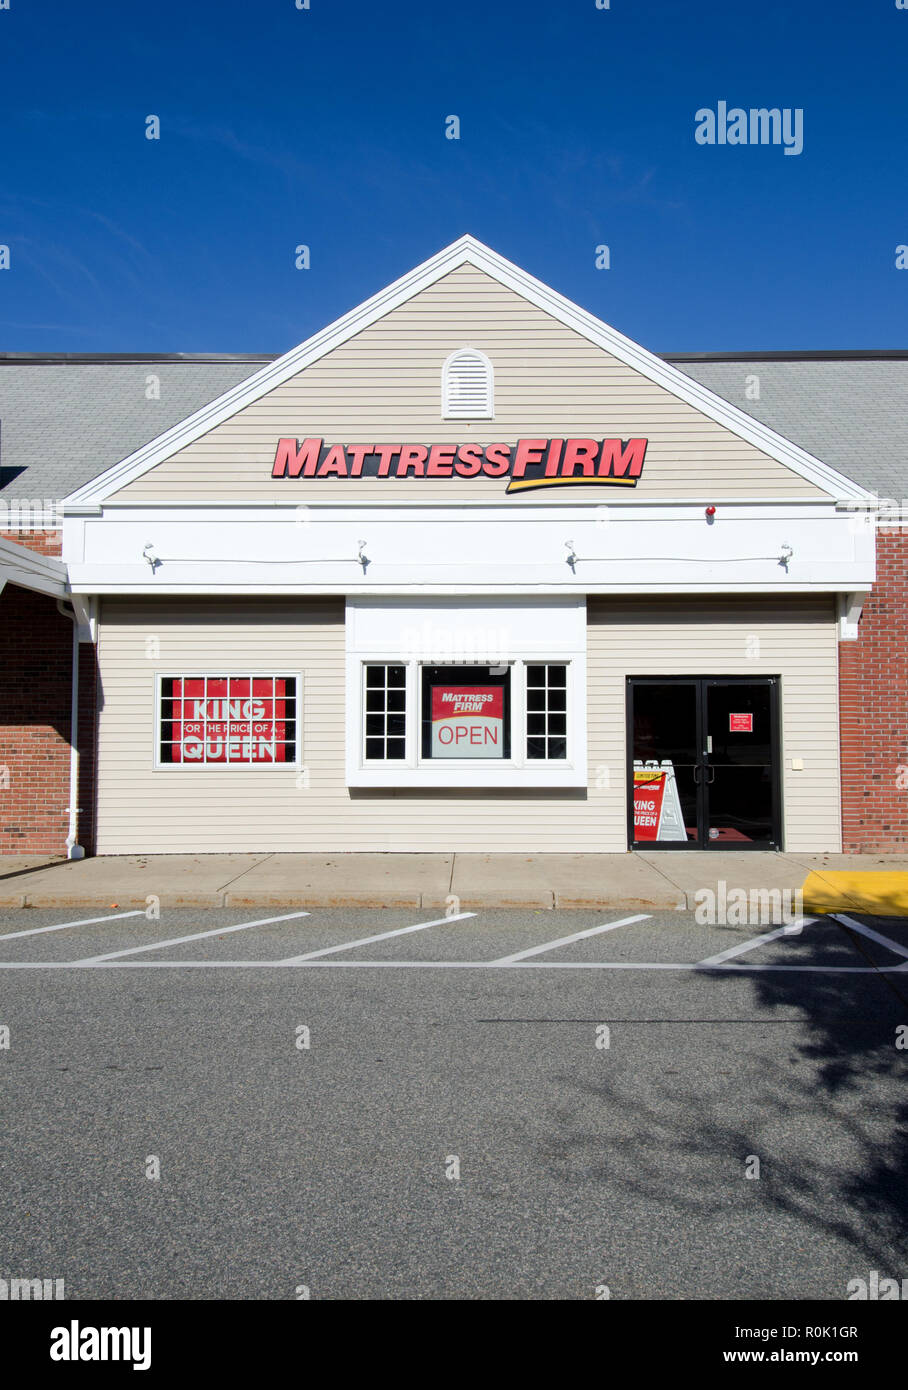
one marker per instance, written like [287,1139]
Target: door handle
[697,769]
[712,775]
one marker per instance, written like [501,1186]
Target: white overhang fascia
[463,589]
[29,570]
[609,549]
[467,251]
[501,506]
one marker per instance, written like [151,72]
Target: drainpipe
[73,849]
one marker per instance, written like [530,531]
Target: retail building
[467,571]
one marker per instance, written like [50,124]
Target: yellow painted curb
[881,894]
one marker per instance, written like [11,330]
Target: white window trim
[230,671]
[481,773]
[408,683]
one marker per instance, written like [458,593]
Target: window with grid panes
[546,711]
[223,720]
[386,717]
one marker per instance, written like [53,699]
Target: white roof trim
[467,251]
[28,569]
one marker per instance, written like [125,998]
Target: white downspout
[73,849]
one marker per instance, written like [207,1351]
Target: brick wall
[873,673]
[36,666]
[44,542]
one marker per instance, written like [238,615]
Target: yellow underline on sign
[522,484]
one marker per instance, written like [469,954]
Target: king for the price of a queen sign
[467,721]
[657,806]
[235,719]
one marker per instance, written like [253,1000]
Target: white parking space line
[83,922]
[447,965]
[868,931]
[792,928]
[367,940]
[566,940]
[196,936]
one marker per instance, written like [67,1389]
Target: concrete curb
[473,902]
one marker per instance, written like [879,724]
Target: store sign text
[248,727]
[467,721]
[530,463]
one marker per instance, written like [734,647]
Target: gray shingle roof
[62,422]
[850,412]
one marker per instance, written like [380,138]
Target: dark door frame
[700,682]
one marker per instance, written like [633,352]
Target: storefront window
[466,712]
[386,718]
[465,693]
[464,716]
[546,711]
[222,720]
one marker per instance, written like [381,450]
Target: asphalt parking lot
[500,1105]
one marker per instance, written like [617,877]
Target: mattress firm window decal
[227,720]
[466,712]
[530,463]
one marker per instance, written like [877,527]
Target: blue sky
[326,127]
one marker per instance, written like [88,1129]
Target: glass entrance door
[703,769]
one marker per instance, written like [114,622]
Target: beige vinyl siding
[384,387]
[795,640]
[142,809]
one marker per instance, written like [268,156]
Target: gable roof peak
[467,249]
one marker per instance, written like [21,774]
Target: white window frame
[385,762]
[547,761]
[517,771]
[220,672]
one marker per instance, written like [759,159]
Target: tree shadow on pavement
[820,1100]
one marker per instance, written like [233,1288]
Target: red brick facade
[873,676]
[44,542]
[36,661]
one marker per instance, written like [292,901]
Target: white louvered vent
[467,386]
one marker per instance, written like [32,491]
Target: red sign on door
[740,723]
[649,789]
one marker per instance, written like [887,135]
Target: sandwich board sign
[657,806]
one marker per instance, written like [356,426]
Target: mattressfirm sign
[530,463]
[467,721]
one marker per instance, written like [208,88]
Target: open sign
[467,721]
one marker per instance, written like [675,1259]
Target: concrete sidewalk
[433,881]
